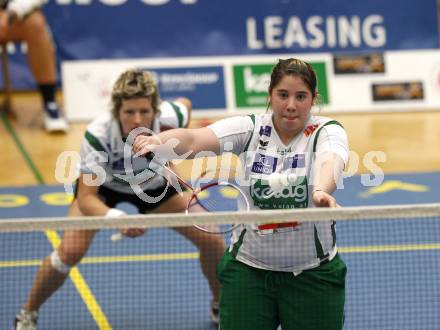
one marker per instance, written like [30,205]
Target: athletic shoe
[215,311]
[25,320]
[54,121]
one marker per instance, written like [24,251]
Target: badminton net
[392,255]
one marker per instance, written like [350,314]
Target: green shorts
[253,298]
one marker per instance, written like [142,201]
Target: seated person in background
[135,103]
[23,20]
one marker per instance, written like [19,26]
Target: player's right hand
[144,144]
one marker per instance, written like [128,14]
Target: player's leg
[35,31]
[211,247]
[314,300]
[248,296]
[55,267]
[41,52]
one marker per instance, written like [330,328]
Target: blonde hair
[134,84]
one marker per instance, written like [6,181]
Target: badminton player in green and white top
[135,104]
[272,274]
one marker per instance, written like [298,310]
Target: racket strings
[206,191]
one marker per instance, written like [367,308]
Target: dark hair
[133,84]
[296,67]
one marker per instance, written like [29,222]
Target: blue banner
[204,86]
[91,29]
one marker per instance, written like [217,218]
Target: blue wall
[91,29]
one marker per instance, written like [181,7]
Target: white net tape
[408,211]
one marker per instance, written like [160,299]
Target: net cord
[397,212]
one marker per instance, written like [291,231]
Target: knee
[58,264]
[70,256]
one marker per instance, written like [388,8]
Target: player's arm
[94,158]
[89,202]
[328,168]
[331,157]
[91,205]
[193,141]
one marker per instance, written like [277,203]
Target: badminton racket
[208,194]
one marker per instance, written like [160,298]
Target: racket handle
[149,155]
[117,237]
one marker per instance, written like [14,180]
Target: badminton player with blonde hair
[135,104]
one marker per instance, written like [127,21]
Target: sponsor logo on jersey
[264,164]
[297,161]
[272,228]
[290,197]
[283,152]
[263,144]
[310,129]
[265,130]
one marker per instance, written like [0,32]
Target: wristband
[114,213]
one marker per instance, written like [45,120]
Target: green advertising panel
[252,82]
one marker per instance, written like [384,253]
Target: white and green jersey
[296,246]
[102,151]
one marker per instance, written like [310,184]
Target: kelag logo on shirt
[264,164]
[290,197]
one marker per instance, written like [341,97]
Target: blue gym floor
[393,279]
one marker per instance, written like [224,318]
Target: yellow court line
[195,255]
[109,259]
[20,263]
[82,288]
[390,248]
[145,257]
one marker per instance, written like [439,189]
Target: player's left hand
[324,199]
[133,232]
